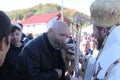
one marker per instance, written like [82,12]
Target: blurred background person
[9,66]
[24,38]
[30,36]
[93,48]
[92,45]
[85,47]
[5,25]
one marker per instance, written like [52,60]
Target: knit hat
[16,25]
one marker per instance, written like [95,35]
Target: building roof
[41,19]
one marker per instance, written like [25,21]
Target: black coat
[39,59]
[8,69]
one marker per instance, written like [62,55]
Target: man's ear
[105,29]
[2,43]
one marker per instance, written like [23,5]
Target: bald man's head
[58,32]
[58,25]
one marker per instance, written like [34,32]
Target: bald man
[41,59]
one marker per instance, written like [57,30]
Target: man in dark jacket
[9,65]
[41,58]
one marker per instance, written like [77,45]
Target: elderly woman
[9,66]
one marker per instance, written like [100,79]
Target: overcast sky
[79,5]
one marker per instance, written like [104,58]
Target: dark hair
[30,36]
[5,25]
[102,27]
[14,28]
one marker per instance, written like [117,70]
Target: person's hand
[67,73]
[59,71]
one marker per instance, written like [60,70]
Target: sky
[79,5]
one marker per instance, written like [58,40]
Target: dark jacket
[8,69]
[39,59]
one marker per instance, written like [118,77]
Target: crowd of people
[51,56]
